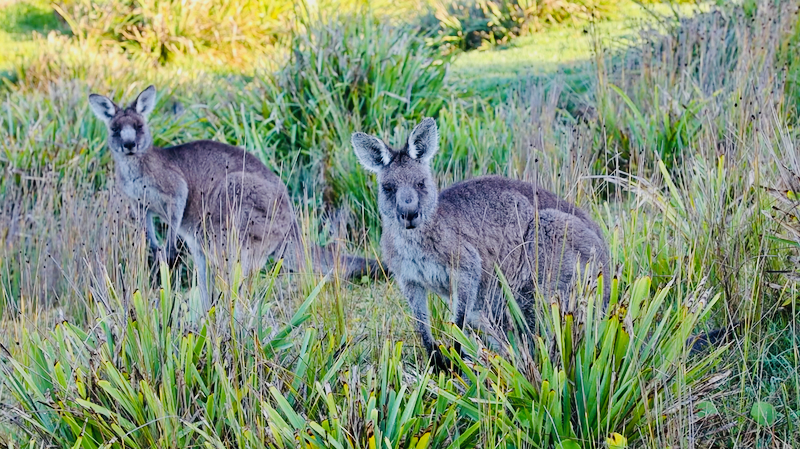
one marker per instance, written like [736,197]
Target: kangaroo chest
[139,187]
[416,265]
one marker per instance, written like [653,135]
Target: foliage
[144,379]
[161,29]
[469,24]
[593,373]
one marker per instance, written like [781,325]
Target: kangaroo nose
[129,145]
[410,215]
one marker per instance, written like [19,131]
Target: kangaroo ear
[146,101]
[371,151]
[102,107]
[423,142]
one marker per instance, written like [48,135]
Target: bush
[160,29]
[470,24]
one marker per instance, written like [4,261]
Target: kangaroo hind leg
[261,215]
[564,244]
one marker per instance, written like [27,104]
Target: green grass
[680,142]
[568,49]
[19,21]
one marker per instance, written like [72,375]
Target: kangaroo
[210,194]
[449,242]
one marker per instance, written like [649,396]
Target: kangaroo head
[407,196]
[128,132]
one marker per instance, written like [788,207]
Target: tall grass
[714,76]
[161,29]
[142,379]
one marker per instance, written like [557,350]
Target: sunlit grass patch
[19,22]
[567,49]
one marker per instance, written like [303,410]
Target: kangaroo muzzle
[408,208]
[128,137]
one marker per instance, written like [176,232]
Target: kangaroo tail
[699,343]
[327,259]
[298,253]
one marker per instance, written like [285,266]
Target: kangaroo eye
[115,129]
[421,185]
[138,127]
[389,188]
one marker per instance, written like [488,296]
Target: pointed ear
[371,151]
[102,107]
[146,101]
[423,142]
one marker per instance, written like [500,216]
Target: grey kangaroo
[449,242]
[210,194]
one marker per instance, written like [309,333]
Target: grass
[19,22]
[681,143]
[566,49]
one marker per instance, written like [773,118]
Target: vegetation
[467,25]
[678,134]
[353,73]
[159,29]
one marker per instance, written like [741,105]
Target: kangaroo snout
[409,219]
[408,208]
[129,146]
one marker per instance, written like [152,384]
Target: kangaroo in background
[449,242]
[210,194]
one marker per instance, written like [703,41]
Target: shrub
[470,24]
[160,29]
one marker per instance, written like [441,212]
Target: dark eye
[421,185]
[389,188]
[115,129]
[138,126]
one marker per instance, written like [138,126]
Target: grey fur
[214,196]
[449,242]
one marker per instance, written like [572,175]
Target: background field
[673,124]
